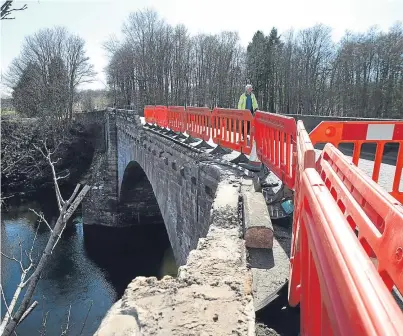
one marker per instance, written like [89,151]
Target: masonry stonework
[184,180]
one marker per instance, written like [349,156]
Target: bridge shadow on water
[141,246]
[125,253]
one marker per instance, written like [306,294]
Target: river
[81,273]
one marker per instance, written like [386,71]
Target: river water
[81,273]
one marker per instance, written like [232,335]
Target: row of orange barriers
[275,136]
[346,253]
[237,130]
[226,127]
[347,241]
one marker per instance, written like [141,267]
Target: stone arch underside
[137,202]
[183,188]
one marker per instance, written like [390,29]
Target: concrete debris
[212,294]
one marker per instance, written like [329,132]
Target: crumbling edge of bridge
[212,294]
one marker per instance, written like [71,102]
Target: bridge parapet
[212,294]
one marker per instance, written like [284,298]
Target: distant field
[9,112]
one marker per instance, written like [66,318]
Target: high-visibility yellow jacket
[242,102]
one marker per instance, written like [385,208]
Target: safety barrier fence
[149,114]
[379,133]
[230,129]
[275,137]
[331,274]
[161,116]
[198,122]
[339,290]
[347,242]
[176,118]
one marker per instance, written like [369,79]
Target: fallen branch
[86,318]
[28,311]
[66,209]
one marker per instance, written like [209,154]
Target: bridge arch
[145,197]
[181,182]
[138,204]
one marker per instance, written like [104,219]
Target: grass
[9,113]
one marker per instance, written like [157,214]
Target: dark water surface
[87,271]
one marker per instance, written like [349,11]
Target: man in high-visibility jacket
[248,101]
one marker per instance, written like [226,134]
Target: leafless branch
[41,218]
[8,257]
[63,176]
[74,203]
[86,318]
[65,330]
[67,208]
[6,10]
[4,299]
[47,154]
[28,311]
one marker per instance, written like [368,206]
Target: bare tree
[54,62]
[30,275]
[160,64]
[6,10]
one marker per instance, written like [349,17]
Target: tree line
[157,63]
[306,73]
[302,72]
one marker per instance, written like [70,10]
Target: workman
[248,101]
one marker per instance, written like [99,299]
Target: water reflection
[85,269]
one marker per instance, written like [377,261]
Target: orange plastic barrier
[230,129]
[358,133]
[198,122]
[176,118]
[149,114]
[305,159]
[161,115]
[370,210]
[275,137]
[339,290]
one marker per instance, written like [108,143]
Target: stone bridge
[155,173]
[205,202]
[232,259]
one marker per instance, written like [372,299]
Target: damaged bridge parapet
[212,294]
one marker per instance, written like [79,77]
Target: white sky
[96,20]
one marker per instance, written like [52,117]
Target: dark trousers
[247,125]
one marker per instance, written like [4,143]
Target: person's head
[248,89]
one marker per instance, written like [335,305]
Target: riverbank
[25,170]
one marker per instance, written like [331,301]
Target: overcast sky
[96,20]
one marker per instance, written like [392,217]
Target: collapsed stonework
[212,294]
